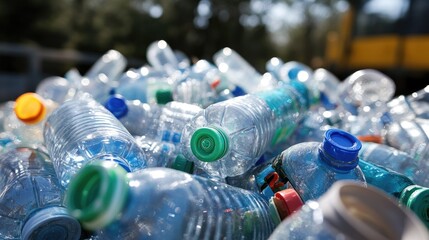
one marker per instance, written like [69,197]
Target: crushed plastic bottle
[31,199]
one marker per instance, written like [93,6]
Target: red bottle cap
[287,202]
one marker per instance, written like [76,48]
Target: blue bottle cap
[51,223]
[342,147]
[238,91]
[117,105]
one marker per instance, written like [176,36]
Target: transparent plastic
[57,89]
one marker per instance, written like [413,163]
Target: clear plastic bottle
[415,105]
[410,136]
[350,211]
[313,167]
[400,187]
[6,109]
[160,56]
[29,115]
[228,137]
[328,85]
[163,124]
[31,199]
[162,203]
[82,131]
[98,81]
[57,89]
[237,70]
[295,71]
[396,160]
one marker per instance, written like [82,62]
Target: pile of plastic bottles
[201,150]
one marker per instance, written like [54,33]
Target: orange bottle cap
[29,108]
[371,138]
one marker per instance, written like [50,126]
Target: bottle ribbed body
[168,204]
[141,118]
[82,130]
[28,184]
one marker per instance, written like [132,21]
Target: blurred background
[41,38]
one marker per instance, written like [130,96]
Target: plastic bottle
[328,85]
[228,137]
[237,70]
[57,89]
[273,66]
[313,167]
[396,160]
[98,81]
[295,71]
[410,136]
[350,211]
[31,199]
[6,109]
[29,115]
[163,124]
[399,186]
[160,56]
[137,117]
[82,131]
[188,206]
[415,105]
[365,87]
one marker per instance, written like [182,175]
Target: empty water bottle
[228,137]
[31,198]
[396,160]
[82,131]
[160,56]
[162,203]
[313,167]
[350,211]
[399,186]
[28,118]
[415,105]
[57,89]
[410,136]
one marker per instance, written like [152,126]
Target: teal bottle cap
[182,164]
[209,144]
[163,96]
[97,194]
[416,198]
[51,223]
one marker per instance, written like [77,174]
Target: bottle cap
[417,199]
[343,147]
[97,194]
[163,96]
[51,223]
[29,108]
[182,164]
[117,105]
[287,202]
[209,144]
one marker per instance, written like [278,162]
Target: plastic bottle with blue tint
[364,88]
[73,75]
[160,56]
[295,71]
[188,206]
[415,105]
[132,86]
[328,85]
[82,131]
[137,117]
[410,136]
[350,211]
[396,160]
[183,61]
[164,154]
[400,187]
[98,81]
[313,167]
[228,137]
[237,70]
[31,199]
[29,115]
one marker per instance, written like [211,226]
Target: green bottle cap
[97,194]
[209,144]
[416,198]
[182,164]
[163,96]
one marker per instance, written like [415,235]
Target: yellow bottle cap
[29,108]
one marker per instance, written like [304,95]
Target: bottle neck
[339,165]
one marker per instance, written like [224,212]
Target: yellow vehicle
[389,35]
